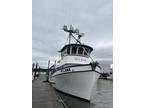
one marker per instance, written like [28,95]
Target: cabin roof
[81,45]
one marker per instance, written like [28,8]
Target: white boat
[110,76]
[76,73]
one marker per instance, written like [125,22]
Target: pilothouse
[71,50]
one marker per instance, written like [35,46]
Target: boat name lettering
[78,59]
[66,70]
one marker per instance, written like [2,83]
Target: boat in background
[110,76]
[76,73]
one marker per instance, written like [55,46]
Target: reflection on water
[102,96]
[72,102]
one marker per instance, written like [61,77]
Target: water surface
[102,96]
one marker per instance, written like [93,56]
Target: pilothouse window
[74,49]
[86,52]
[68,50]
[80,50]
[65,52]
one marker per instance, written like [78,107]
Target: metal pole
[48,71]
[70,37]
[35,71]
[33,65]
[39,71]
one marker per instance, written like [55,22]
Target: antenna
[65,28]
[71,28]
[80,35]
[72,31]
[76,30]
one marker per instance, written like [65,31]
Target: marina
[72,78]
[45,96]
[71,40]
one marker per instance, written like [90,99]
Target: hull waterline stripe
[76,72]
[72,65]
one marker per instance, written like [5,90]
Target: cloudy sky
[92,17]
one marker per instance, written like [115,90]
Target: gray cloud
[93,17]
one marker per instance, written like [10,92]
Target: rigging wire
[84,50]
[66,40]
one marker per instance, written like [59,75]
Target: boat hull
[78,84]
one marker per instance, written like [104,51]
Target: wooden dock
[44,95]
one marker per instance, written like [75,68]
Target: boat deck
[43,94]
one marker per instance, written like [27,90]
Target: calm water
[102,96]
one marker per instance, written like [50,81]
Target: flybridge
[72,31]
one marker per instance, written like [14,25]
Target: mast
[72,31]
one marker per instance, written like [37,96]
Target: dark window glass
[74,50]
[80,51]
[86,51]
[68,50]
[65,52]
